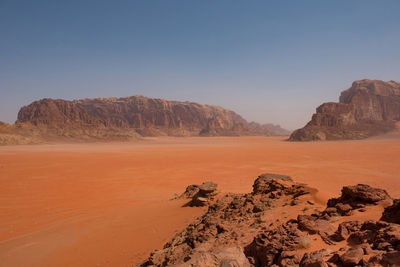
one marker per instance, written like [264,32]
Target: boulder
[313,259]
[190,191]
[314,225]
[392,213]
[352,257]
[201,194]
[358,194]
[207,188]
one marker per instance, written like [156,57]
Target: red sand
[108,204]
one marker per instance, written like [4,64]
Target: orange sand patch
[108,204]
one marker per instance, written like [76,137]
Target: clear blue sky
[270,61]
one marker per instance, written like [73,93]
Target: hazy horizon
[271,62]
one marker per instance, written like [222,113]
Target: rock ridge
[129,118]
[280,223]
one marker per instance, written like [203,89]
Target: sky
[269,61]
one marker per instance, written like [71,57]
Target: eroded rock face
[129,117]
[367,108]
[392,213]
[244,229]
[201,195]
[231,221]
[357,196]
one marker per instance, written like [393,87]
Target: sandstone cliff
[367,108]
[131,117]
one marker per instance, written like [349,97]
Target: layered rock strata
[132,117]
[367,108]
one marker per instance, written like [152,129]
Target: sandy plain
[108,204]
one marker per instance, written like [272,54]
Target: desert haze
[110,204]
[200,133]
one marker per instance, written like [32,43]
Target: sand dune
[108,204]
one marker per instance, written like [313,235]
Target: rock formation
[367,108]
[392,213]
[18,134]
[274,226]
[131,117]
[200,195]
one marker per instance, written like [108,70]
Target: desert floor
[109,204]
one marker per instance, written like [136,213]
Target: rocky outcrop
[392,213]
[200,195]
[230,223]
[253,230]
[359,195]
[130,117]
[369,243]
[367,108]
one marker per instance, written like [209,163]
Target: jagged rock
[313,259]
[391,258]
[228,221]
[204,194]
[314,225]
[380,235]
[190,191]
[352,257]
[367,108]
[392,213]
[207,188]
[267,247]
[240,221]
[289,258]
[226,257]
[344,209]
[345,229]
[276,185]
[358,194]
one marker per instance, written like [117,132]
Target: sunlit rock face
[128,117]
[367,108]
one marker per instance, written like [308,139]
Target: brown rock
[201,194]
[236,221]
[263,184]
[314,259]
[207,188]
[367,108]
[391,258]
[190,191]
[345,229]
[267,247]
[314,225]
[392,213]
[130,117]
[358,194]
[344,209]
[352,256]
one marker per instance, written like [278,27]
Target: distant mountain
[274,129]
[129,118]
[367,108]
